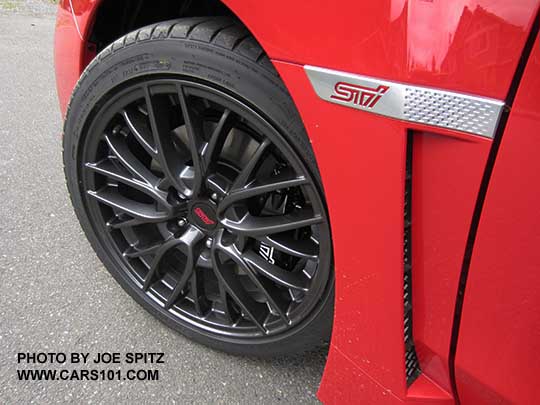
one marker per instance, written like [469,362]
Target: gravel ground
[35,8]
[55,296]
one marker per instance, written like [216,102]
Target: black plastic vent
[412,368]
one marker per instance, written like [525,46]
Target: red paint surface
[70,56]
[465,45]
[471,46]
[498,355]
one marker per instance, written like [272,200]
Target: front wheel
[191,174]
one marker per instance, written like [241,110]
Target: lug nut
[181,222]
[214,196]
[209,243]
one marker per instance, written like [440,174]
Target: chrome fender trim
[425,105]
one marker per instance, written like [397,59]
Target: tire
[208,58]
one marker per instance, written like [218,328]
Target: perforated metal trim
[441,108]
[449,110]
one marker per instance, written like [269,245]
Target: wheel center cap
[203,215]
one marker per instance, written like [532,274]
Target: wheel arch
[101,22]
[113,19]
[92,28]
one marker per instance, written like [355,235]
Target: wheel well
[116,18]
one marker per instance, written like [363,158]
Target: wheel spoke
[275,302]
[297,281]
[123,221]
[194,132]
[169,159]
[218,184]
[226,276]
[215,143]
[279,182]
[108,168]
[121,151]
[145,213]
[243,177]
[252,309]
[196,292]
[224,301]
[156,261]
[138,251]
[191,248]
[136,123]
[255,226]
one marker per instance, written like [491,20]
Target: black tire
[219,52]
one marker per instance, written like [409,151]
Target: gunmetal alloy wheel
[203,210]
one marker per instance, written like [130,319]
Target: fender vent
[412,368]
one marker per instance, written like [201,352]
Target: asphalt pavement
[56,296]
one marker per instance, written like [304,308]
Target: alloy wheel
[209,211]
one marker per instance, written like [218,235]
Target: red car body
[475,200]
